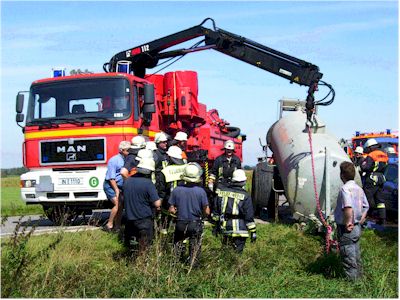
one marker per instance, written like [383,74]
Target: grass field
[11,203]
[283,263]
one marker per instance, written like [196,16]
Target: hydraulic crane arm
[147,56]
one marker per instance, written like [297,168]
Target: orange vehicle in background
[386,138]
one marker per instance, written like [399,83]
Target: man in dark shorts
[189,202]
[140,198]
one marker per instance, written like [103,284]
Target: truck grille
[72,151]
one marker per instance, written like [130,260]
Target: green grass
[283,263]
[11,202]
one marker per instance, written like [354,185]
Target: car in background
[390,191]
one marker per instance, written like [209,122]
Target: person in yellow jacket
[171,177]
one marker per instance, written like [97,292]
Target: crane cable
[328,240]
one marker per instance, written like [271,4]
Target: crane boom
[147,56]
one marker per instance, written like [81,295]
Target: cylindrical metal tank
[289,141]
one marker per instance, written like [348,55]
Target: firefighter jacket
[169,180]
[374,165]
[161,159]
[223,168]
[233,211]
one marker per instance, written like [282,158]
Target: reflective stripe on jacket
[223,168]
[233,209]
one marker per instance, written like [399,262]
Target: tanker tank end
[289,141]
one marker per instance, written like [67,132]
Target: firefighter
[224,166]
[150,145]
[233,213]
[199,156]
[189,202]
[180,140]
[374,166]
[145,154]
[113,186]
[358,159]
[170,178]
[140,199]
[160,157]
[138,142]
[358,156]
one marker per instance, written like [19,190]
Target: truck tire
[261,190]
[59,214]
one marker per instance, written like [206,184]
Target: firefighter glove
[253,237]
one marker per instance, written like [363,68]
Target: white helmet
[144,153]
[181,136]
[146,166]
[359,150]
[138,142]
[192,172]
[239,175]
[150,145]
[124,145]
[390,150]
[160,137]
[175,152]
[229,145]
[370,142]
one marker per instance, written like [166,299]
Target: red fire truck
[75,123]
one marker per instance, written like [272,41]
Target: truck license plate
[70,181]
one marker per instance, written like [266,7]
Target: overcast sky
[355,45]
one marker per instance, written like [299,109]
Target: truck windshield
[83,100]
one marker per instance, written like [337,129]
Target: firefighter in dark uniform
[129,168]
[224,166]
[374,165]
[233,214]
[171,177]
[140,199]
[358,159]
[189,202]
[180,140]
[160,157]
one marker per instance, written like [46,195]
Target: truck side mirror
[19,103]
[149,108]
[19,118]
[149,94]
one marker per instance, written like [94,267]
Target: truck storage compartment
[181,91]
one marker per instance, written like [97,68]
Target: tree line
[13,171]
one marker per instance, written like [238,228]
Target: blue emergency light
[123,66]
[58,72]
[388,131]
[357,133]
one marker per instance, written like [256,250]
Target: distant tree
[13,171]
[246,167]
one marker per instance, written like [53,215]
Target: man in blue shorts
[113,185]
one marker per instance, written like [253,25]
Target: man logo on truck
[79,148]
